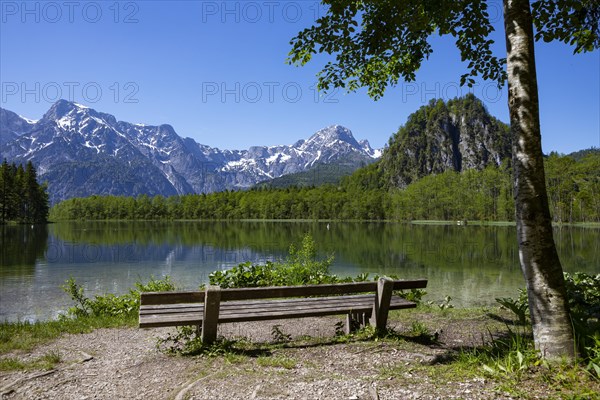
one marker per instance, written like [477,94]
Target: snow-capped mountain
[80,151]
[12,126]
[328,145]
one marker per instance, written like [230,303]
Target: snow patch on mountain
[146,159]
[29,121]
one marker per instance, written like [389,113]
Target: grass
[469,222]
[579,224]
[498,223]
[26,336]
[45,362]
[85,316]
[276,362]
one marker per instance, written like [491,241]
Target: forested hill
[573,194]
[456,135]
[579,155]
[320,174]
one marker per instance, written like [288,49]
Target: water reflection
[472,264]
[20,247]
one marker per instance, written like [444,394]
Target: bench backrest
[154,298]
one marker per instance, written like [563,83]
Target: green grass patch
[276,362]
[45,362]
[578,224]
[88,314]
[469,222]
[26,335]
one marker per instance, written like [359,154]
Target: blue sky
[216,71]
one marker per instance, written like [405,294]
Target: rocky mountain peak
[61,109]
[366,146]
[64,110]
[80,152]
[12,126]
[457,135]
[332,135]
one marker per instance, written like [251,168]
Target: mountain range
[80,152]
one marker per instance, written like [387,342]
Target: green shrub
[583,295]
[414,295]
[518,306]
[583,292]
[246,275]
[110,304]
[278,335]
[593,355]
[301,267]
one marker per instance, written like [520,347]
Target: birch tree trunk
[552,330]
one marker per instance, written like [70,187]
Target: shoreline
[407,222]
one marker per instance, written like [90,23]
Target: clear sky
[216,71]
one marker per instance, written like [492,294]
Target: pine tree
[22,198]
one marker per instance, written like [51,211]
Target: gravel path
[125,364]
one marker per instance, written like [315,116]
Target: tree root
[183,392]
[373,393]
[11,387]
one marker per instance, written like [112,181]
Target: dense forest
[22,198]
[573,189]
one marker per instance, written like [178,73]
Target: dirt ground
[126,364]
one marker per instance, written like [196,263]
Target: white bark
[552,331]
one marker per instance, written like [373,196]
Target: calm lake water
[472,264]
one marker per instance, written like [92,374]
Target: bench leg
[355,321]
[382,304]
[364,319]
[351,323]
[210,319]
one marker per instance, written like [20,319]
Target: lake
[472,264]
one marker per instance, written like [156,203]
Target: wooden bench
[206,309]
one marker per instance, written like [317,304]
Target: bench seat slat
[251,303]
[349,301]
[301,311]
[154,298]
[292,308]
[290,304]
[155,321]
[183,307]
[171,310]
[314,290]
[341,299]
[249,315]
[234,311]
